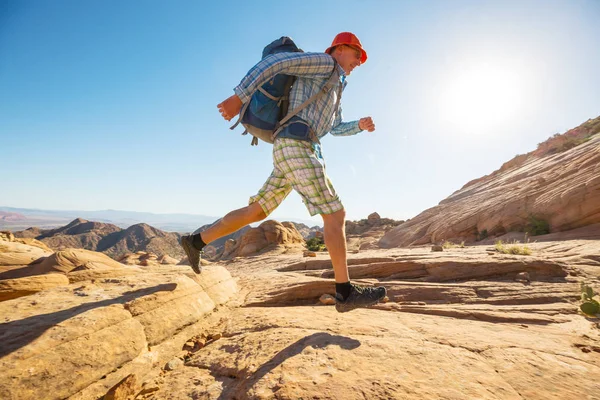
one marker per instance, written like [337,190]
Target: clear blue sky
[112,104]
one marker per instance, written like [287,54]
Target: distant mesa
[11,216]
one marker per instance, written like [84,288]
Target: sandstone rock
[14,288]
[34,243]
[312,355]
[373,218]
[455,325]
[309,254]
[124,390]
[507,200]
[58,342]
[174,364]
[373,226]
[14,253]
[7,236]
[189,345]
[148,388]
[168,260]
[327,299]
[76,259]
[266,234]
[437,247]
[230,247]
[522,277]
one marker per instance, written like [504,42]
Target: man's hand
[230,107]
[366,124]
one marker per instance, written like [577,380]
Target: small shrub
[450,245]
[588,306]
[513,248]
[316,244]
[537,226]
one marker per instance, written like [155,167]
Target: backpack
[266,113]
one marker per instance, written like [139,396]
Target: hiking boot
[360,296]
[192,253]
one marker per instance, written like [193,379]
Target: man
[297,158]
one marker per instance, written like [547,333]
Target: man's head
[347,51]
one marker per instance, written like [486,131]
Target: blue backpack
[266,113]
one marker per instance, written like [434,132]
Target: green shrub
[537,226]
[512,248]
[588,306]
[316,244]
[449,245]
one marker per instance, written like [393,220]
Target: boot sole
[342,308]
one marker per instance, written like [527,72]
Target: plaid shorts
[297,166]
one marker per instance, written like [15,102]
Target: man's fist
[366,124]
[230,107]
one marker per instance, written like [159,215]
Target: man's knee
[256,212]
[337,218]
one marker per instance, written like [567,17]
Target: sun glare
[480,97]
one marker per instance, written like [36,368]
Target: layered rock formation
[556,186]
[458,324]
[84,321]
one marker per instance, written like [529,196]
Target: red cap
[350,39]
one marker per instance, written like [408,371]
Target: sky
[112,104]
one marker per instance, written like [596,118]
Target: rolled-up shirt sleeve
[309,65]
[341,128]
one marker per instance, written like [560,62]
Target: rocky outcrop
[557,191]
[82,338]
[365,233]
[19,287]
[373,222]
[267,236]
[466,322]
[146,259]
[13,253]
[471,330]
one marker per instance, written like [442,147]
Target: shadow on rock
[316,340]
[19,333]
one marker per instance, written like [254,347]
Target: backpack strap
[331,82]
[241,114]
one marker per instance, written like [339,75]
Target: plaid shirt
[312,70]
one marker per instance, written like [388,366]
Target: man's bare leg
[348,296]
[193,244]
[233,221]
[334,227]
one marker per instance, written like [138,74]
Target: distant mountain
[108,238]
[306,231]
[12,218]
